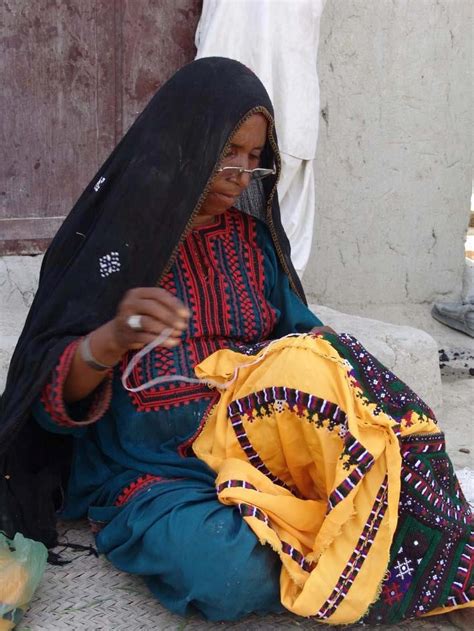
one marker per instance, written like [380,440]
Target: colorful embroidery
[359,554]
[273,400]
[270,400]
[391,593]
[431,556]
[378,384]
[138,485]
[235,417]
[297,556]
[250,349]
[219,274]
[247,510]
[425,486]
[462,589]
[233,484]
[52,393]
[355,455]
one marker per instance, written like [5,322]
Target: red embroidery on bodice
[219,274]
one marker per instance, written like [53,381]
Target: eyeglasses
[255,174]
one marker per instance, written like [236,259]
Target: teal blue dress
[151,503]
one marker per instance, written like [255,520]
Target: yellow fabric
[309,459]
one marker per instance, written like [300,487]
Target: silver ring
[135,322]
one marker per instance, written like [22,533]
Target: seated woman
[297,473]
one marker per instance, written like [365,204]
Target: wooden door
[75,75]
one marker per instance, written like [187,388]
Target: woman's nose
[240,178]
[244,179]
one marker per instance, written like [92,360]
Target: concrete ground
[456,418]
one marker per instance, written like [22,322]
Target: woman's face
[244,151]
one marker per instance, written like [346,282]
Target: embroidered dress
[319,451]
[152,503]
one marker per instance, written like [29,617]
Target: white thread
[164,335]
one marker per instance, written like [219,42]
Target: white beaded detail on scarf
[109,263]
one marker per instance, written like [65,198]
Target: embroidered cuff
[85,412]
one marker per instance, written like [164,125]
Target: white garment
[296,191]
[278,40]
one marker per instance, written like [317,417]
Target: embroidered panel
[247,510]
[137,486]
[354,455]
[359,554]
[275,399]
[52,393]
[431,557]
[272,400]
[219,275]
[378,384]
[234,484]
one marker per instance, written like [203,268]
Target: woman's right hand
[158,310]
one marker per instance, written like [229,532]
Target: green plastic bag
[22,564]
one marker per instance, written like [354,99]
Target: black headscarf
[136,211]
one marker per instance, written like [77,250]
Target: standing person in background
[279,42]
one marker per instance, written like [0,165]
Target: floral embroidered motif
[391,593]
[404,568]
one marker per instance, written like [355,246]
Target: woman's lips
[225,197]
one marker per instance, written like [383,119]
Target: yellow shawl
[313,467]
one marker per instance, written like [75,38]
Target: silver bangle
[88,358]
